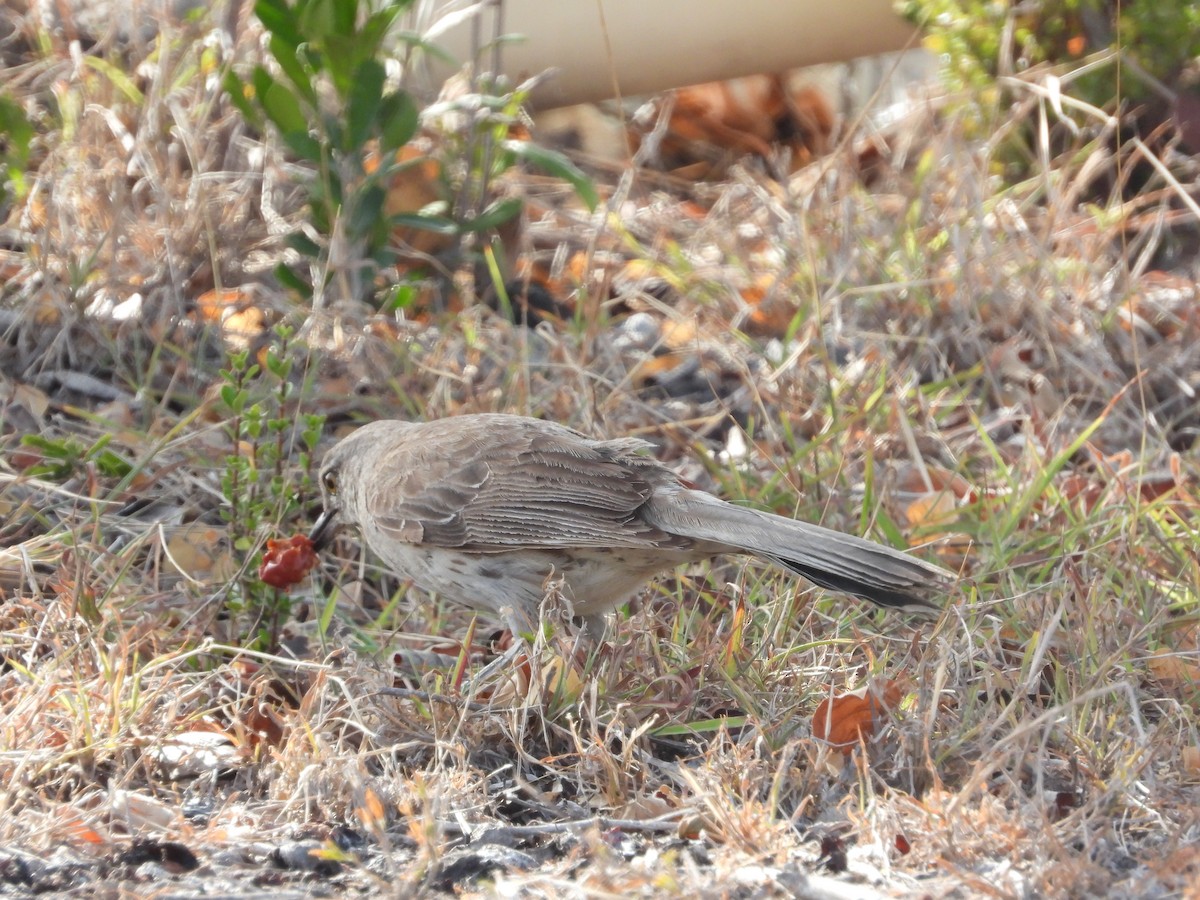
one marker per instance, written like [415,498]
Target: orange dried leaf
[34,401]
[1177,673]
[562,679]
[78,830]
[641,270]
[416,185]
[263,724]
[680,334]
[931,509]
[650,806]
[1190,758]
[849,719]
[656,368]
[370,811]
[915,479]
[749,115]
[844,721]
[200,552]
[234,310]
[772,307]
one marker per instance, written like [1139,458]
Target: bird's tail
[833,560]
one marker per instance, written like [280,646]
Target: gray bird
[487,510]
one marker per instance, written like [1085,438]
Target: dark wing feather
[517,484]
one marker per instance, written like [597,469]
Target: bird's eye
[330,482]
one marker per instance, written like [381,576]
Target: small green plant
[63,457]
[261,487]
[478,145]
[980,39]
[335,109]
[16,137]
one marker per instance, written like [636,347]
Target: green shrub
[335,110]
[261,487]
[16,136]
[979,39]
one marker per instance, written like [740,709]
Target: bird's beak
[324,529]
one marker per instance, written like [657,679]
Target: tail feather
[828,558]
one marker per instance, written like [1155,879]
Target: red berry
[285,563]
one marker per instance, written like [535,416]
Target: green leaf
[277,365]
[119,79]
[101,442]
[274,101]
[700,726]
[232,397]
[51,471]
[303,244]
[16,131]
[303,144]
[426,222]
[398,118]
[366,96]
[554,163]
[289,60]
[239,95]
[282,107]
[342,58]
[313,423]
[403,296]
[497,213]
[16,136]
[367,210]
[414,40]
[344,16]
[316,19]
[332,131]
[112,465]
[374,32]
[60,449]
[292,280]
[329,192]
[320,212]
[280,20]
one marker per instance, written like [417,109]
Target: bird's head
[341,480]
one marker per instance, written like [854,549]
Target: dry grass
[999,371]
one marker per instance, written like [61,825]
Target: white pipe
[653,45]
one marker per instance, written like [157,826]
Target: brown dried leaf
[200,552]
[848,719]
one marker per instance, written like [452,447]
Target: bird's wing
[514,484]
